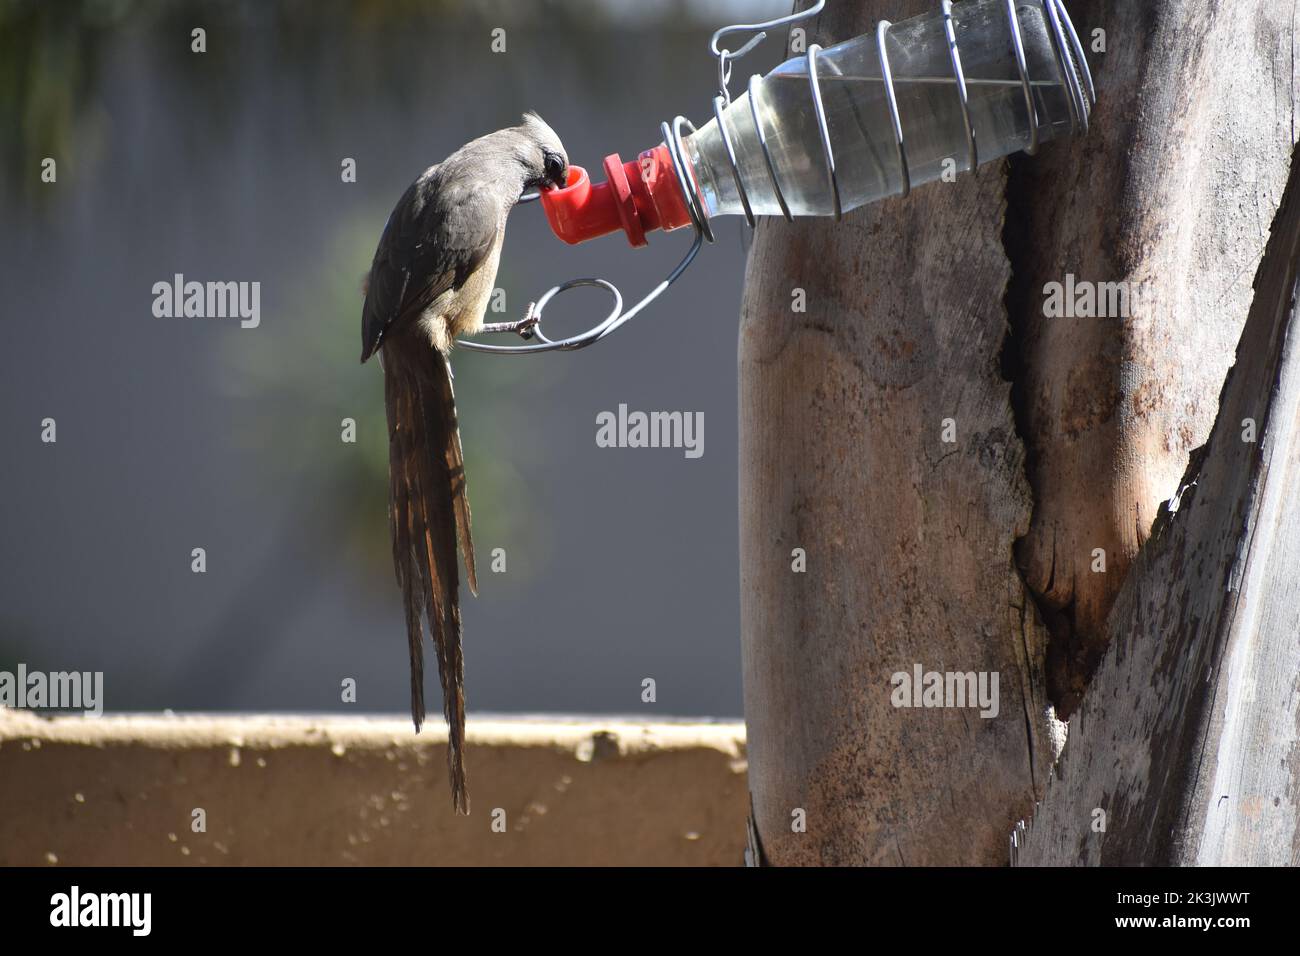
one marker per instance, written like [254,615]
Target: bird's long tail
[428,511]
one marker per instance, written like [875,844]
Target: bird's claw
[529,321]
[523,328]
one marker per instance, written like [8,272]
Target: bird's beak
[562,180]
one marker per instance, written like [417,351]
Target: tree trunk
[1185,750]
[910,540]
[1171,194]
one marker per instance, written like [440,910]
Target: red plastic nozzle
[638,197]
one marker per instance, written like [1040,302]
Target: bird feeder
[830,130]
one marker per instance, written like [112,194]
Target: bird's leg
[524,326]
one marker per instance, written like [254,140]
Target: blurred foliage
[52,51]
[49,59]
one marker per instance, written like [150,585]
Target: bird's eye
[555,170]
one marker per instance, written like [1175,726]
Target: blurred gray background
[182,433]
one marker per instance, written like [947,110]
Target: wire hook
[725,56]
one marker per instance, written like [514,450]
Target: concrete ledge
[337,791]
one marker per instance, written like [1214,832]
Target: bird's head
[546,164]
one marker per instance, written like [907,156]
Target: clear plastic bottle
[860,121]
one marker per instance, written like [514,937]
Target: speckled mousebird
[431,279]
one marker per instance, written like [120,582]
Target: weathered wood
[1187,740]
[1170,194]
[908,538]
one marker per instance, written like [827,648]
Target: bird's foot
[524,327]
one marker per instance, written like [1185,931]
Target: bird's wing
[436,237]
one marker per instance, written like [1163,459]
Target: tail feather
[426,498]
[403,533]
[460,497]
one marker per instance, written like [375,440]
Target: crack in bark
[1063,688]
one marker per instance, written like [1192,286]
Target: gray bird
[430,282]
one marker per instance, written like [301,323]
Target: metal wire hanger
[1077,81]
[530,326]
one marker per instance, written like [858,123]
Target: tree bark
[1171,194]
[908,538]
[911,541]
[1186,748]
